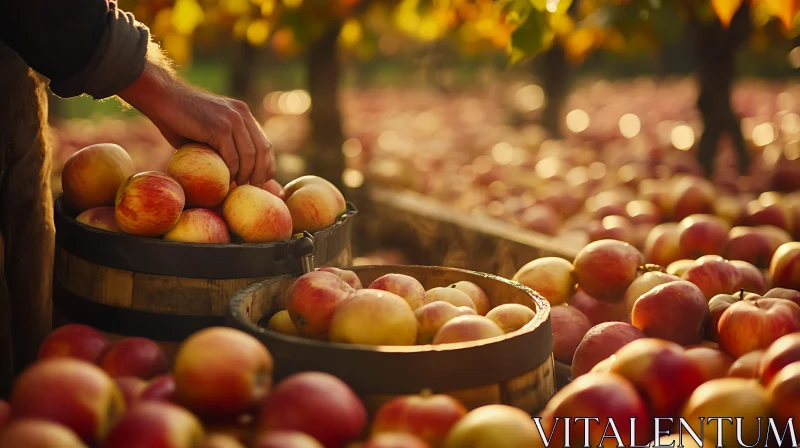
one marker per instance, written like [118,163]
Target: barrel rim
[535,338]
[196,260]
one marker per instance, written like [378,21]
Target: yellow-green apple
[452,296]
[749,244]
[74,341]
[275,188]
[606,268]
[148,204]
[643,284]
[313,207]
[432,316]
[597,311]
[496,426]
[761,212]
[219,355]
[604,396]
[700,235]
[160,388]
[219,440]
[714,363]
[511,316]
[92,175]
[552,277]
[714,276]
[661,244]
[467,328]
[286,439]
[755,324]
[281,322]
[100,218]
[156,424]
[74,393]
[199,225]
[783,293]
[131,388]
[717,305]
[256,216]
[429,417]
[785,266]
[784,393]
[691,195]
[139,357]
[675,311]
[661,371]
[778,355]
[395,440]
[317,404]
[476,293]
[404,286]
[569,327]
[36,433]
[202,173]
[729,397]
[679,267]
[373,317]
[600,342]
[312,299]
[349,277]
[747,365]
[304,181]
[752,279]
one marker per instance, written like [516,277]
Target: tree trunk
[323,72]
[715,53]
[243,73]
[554,73]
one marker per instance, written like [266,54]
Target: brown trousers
[27,234]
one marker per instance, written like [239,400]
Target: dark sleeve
[83,46]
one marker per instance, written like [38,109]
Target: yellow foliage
[240,28]
[351,33]
[178,47]
[562,24]
[257,32]
[725,9]
[294,3]
[785,10]
[162,24]
[579,43]
[267,7]
[186,15]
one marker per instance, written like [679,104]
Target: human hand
[184,113]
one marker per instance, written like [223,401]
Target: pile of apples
[88,392]
[705,337]
[194,201]
[331,304]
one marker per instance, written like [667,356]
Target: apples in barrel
[202,173]
[92,175]
[149,204]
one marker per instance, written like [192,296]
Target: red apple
[272,186]
[691,195]
[540,218]
[767,213]
[34,433]
[643,211]
[600,342]
[598,312]
[679,267]
[149,204]
[99,218]
[661,246]
[511,317]
[202,173]
[131,388]
[784,391]
[222,441]
[432,316]
[714,276]
[429,417]
[467,329]
[155,424]
[779,354]
[404,286]
[199,225]
[612,228]
[92,175]
[755,324]
[317,404]
[395,440]
[752,279]
[749,244]
[569,327]
[74,393]
[716,307]
[139,357]
[257,216]
[746,366]
[312,299]
[661,371]
[476,293]
[495,426]
[74,341]
[785,266]
[675,311]
[5,414]
[161,388]
[349,277]
[643,284]
[783,293]
[552,277]
[714,363]
[286,439]
[606,268]
[700,235]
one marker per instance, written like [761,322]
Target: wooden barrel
[515,369]
[126,285]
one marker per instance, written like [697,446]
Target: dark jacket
[82,46]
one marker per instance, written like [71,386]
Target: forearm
[154,84]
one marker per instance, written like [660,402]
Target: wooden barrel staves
[515,369]
[131,286]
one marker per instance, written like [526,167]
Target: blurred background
[532,113]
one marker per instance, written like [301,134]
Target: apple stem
[650,267]
[426,392]
[741,294]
